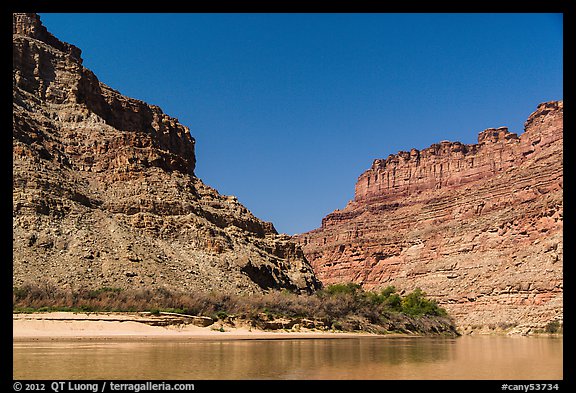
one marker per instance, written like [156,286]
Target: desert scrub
[342,306]
[553,327]
[97,292]
[415,303]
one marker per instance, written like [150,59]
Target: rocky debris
[477,227]
[269,322]
[395,323]
[104,191]
[171,319]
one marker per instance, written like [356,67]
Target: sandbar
[138,326]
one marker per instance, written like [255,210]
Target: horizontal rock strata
[104,191]
[478,227]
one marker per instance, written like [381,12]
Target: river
[468,357]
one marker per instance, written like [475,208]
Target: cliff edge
[478,227]
[104,191]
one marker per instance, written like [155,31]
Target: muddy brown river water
[469,357]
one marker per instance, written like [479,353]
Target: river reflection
[342,358]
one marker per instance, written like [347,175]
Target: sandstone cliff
[478,227]
[104,191]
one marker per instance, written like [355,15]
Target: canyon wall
[104,191]
[478,227]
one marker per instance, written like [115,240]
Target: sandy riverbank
[134,326]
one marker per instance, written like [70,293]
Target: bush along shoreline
[339,307]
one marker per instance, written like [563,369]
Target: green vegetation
[387,300]
[346,289]
[341,306]
[553,327]
[415,303]
[96,293]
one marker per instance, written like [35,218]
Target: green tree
[415,303]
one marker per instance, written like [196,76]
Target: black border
[358,6]
[249,6]
[316,386]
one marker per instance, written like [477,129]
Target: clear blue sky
[289,109]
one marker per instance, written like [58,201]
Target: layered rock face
[477,227]
[104,191]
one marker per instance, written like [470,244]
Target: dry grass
[345,306]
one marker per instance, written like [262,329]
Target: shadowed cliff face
[477,227]
[104,192]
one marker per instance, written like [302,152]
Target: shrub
[387,297]
[342,305]
[96,293]
[348,288]
[394,302]
[415,303]
[221,314]
[389,290]
[553,327]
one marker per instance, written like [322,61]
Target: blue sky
[289,109]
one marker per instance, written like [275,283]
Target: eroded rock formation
[104,191]
[478,227]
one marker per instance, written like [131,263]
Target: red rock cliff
[478,227]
